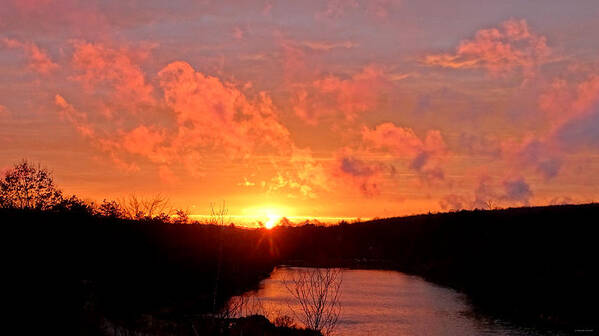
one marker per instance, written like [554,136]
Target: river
[375,302]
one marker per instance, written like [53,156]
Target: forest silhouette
[532,265]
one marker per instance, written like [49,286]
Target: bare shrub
[137,207]
[317,291]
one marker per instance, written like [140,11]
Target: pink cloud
[198,116]
[425,155]
[403,141]
[146,142]
[77,119]
[332,96]
[38,60]
[501,50]
[212,113]
[117,70]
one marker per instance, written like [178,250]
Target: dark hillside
[535,264]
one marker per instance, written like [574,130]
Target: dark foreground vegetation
[152,274]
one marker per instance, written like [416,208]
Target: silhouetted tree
[74,204]
[110,209]
[26,186]
[317,291]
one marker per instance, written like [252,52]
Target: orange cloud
[199,117]
[209,112]
[38,59]
[146,142]
[498,50]
[78,119]
[367,177]
[114,69]
[301,173]
[333,97]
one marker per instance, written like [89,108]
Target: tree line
[31,186]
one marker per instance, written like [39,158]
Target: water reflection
[386,303]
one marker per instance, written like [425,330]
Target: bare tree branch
[317,291]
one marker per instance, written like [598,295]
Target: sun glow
[267,215]
[272,220]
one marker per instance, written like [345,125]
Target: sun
[272,220]
[267,215]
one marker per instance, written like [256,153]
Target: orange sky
[308,108]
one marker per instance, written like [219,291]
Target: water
[386,303]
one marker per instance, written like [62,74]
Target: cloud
[199,118]
[510,47]
[38,60]
[475,144]
[564,100]
[211,113]
[581,132]
[424,155]
[573,114]
[485,196]
[377,9]
[115,70]
[332,97]
[146,142]
[77,119]
[95,19]
[516,189]
[540,153]
[490,195]
[367,177]
[577,126]
[325,45]
[453,202]
[300,173]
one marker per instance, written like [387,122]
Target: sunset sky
[306,108]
